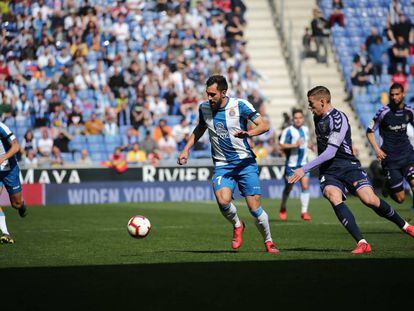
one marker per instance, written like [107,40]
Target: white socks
[3,226]
[262,223]
[230,213]
[304,200]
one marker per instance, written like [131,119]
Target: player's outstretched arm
[261,126]
[291,146]
[381,155]
[194,137]
[328,154]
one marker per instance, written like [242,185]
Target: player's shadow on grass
[316,250]
[382,232]
[206,251]
[221,285]
[278,221]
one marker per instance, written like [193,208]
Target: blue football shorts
[396,176]
[245,175]
[11,180]
[350,181]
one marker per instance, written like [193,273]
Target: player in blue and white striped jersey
[294,141]
[226,120]
[9,178]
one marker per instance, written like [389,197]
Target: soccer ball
[139,226]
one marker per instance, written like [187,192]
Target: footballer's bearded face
[317,105]
[215,97]
[397,97]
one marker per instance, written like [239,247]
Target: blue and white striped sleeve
[286,137]
[6,133]
[247,110]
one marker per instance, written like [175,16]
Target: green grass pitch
[187,257]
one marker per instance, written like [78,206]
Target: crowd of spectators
[131,69]
[388,51]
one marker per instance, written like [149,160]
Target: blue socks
[386,211]
[347,220]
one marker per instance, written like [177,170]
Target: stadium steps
[298,15]
[264,48]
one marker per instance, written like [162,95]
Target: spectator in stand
[403,28]
[135,155]
[320,32]
[5,108]
[337,15]
[234,31]
[189,101]
[28,143]
[22,110]
[400,77]
[167,146]
[161,129]
[148,144]
[180,130]
[94,126]
[399,55]
[30,161]
[44,146]
[66,78]
[260,150]
[286,121]
[62,141]
[131,138]
[273,149]
[257,101]
[84,159]
[120,29]
[307,44]
[372,38]
[75,121]
[110,126]
[117,161]
[116,81]
[4,70]
[154,157]
[359,78]
[56,157]
[376,53]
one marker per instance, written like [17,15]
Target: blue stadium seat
[95,139]
[76,146]
[79,139]
[67,156]
[113,139]
[98,156]
[96,147]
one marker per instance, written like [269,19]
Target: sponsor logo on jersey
[397,127]
[221,131]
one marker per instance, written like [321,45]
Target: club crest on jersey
[407,118]
[232,112]
[324,127]
[221,130]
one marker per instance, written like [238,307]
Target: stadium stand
[98,67]
[297,16]
[264,47]
[369,35]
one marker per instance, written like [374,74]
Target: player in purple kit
[340,170]
[396,153]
